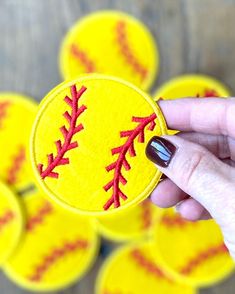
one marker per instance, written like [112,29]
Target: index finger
[206,115]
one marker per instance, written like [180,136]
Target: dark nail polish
[160,151]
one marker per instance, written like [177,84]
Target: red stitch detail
[126,50]
[146,214]
[17,163]
[208,94]
[3,110]
[46,209]
[68,134]
[6,218]
[82,56]
[55,254]
[175,220]
[148,265]
[202,257]
[121,161]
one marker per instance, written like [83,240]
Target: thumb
[198,173]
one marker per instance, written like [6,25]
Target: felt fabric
[11,222]
[17,113]
[120,46]
[88,144]
[193,252]
[191,86]
[134,269]
[57,250]
[131,224]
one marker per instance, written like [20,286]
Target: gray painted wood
[193,36]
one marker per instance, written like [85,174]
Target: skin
[201,175]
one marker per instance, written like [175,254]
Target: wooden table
[193,36]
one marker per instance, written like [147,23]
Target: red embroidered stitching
[148,265]
[146,215]
[16,166]
[82,56]
[3,110]
[68,134]
[208,94]
[55,254]
[6,218]
[175,220]
[202,257]
[126,51]
[121,161]
[37,219]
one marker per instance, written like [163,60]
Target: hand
[198,162]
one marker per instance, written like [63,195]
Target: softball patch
[112,43]
[88,144]
[133,223]
[132,269]
[17,114]
[57,250]
[193,252]
[11,222]
[191,86]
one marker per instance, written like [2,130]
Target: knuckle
[223,146]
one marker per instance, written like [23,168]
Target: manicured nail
[160,151]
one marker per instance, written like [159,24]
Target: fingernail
[160,151]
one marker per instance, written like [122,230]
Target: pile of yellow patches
[57,250]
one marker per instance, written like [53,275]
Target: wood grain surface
[193,37]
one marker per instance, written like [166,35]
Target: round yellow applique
[133,223]
[17,114]
[191,86]
[132,269]
[193,252]
[11,222]
[58,249]
[88,144]
[112,43]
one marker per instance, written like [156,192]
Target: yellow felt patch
[17,114]
[58,248]
[88,144]
[193,252]
[133,269]
[112,43]
[11,222]
[191,86]
[133,223]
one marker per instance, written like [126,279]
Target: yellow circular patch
[132,269]
[88,144]
[11,222]
[58,248]
[17,114]
[191,86]
[112,43]
[193,252]
[133,223]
